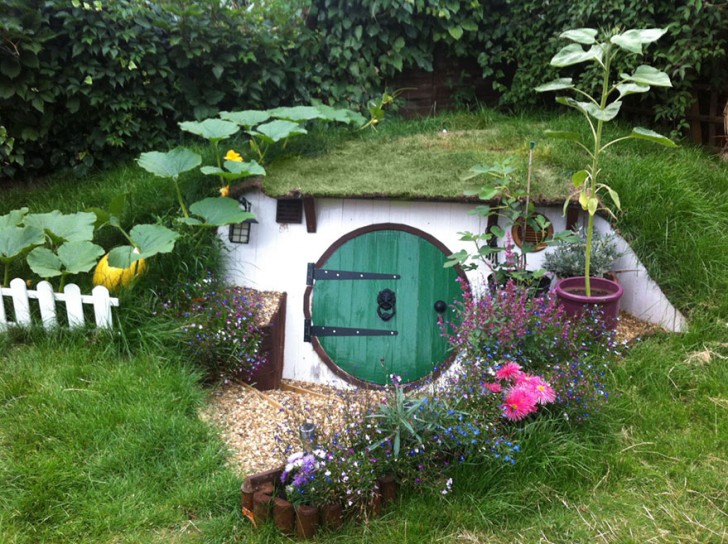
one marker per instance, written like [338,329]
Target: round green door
[377,296]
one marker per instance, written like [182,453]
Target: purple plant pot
[605,295]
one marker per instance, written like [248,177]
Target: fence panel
[19,296]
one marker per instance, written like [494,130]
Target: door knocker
[386,300]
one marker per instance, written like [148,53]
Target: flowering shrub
[507,333]
[220,330]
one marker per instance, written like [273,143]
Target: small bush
[220,327]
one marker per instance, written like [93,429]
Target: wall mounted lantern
[240,232]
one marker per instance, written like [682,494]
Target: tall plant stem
[6,276]
[179,199]
[595,171]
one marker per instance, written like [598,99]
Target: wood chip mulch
[257,427]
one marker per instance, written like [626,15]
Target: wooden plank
[309,210]
[303,391]
[47,304]
[102,307]
[74,305]
[265,397]
[21,303]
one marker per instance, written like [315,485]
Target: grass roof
[423,159]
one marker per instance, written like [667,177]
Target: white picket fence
[19,296]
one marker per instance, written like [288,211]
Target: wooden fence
[20,297]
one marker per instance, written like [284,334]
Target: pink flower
[518,403]
[493,387]
[508,371]
[541,390]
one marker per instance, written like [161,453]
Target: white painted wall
[277,256]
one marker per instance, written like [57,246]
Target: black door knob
[440,306]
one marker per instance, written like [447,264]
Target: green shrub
[82,83]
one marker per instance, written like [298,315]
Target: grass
[100,439]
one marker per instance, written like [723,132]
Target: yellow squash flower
[233,156]
[225,191]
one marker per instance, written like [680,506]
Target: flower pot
[389,487]
[332,516]
[605,295]
[307,520]
[284,516]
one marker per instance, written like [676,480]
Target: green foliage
[567,258]
[601,106]
[82,83]
[694,49]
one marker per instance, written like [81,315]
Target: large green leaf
[297,113]
[235,170]
[640,133]
[631,88]
[45,263]
[341,115]
[575,54]
[633,40]
[150,239]
[246,118]
[587,36]
[591,109]
[278,130]
[13,219]
[170,164]
[556,85]
[211,129]
[79,257]
[16,240]
[647,75]
[219,211]
[73,227]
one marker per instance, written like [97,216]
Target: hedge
[84,82]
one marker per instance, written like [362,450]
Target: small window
[532,237]
[289,211]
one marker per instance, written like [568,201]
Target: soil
[256,426]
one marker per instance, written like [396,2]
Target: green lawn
[100,439]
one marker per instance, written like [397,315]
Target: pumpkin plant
[602,108]
[16,239]
[70,249]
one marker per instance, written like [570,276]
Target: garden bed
[249,424]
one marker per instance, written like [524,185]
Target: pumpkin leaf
[150,239]
[170,164]
[79,257]
[14,241]
[219,211]
[59,227]
[246,118]
[44,262]
[211,129]
[297,113]
[341,115]
[277,130]
[235,170]
[13,219]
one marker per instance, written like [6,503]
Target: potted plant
[568,258]
[578,292]
[501,200]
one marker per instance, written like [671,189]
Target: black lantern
[240,232]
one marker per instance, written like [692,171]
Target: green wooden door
[411,344]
